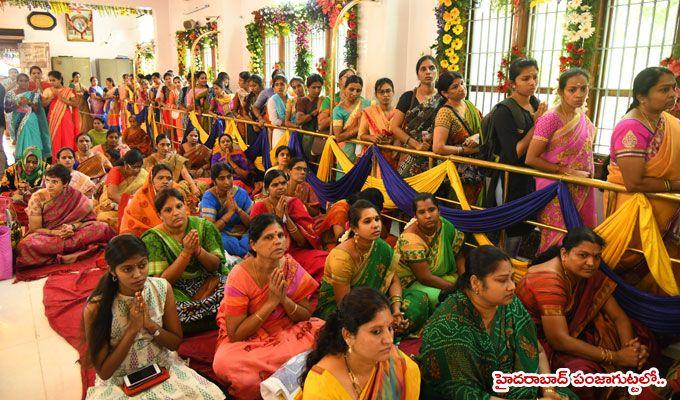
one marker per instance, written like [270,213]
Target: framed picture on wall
[79,25]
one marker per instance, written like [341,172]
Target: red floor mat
[32,274]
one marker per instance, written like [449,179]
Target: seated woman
[188,252]
[282,155]
[479,328]
[355,356]
[365,261]
[243,168]
[61,224]
[197,154]
[335,222]
[298,187]
[23,178]
[580,324]
[140,215]
[430,257]
[228,207]
[131,321]
[94,165]
[113,145]
[299,225]
[79,181]
[265,317]
[121,183]
[136,138]
[98,132]
[180,172]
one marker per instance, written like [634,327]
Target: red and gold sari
[63,121]
[199,159]
[379,125]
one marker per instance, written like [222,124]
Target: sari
[308,198]
[137,138]
[343,120]
[71,206]
[397,378]
[112,111]
[105,209]
[546,293]
[174,161]
[27,127]
[312,258]
[417,119]
[183,383]
[570,145]
[201,106]
[243,365]
[98,137]
[140,214]
[458,354]
[661,151]
[64,122]
[96,105]
[82,183]
[171,124]
[195,315]
[337,215]
[376,271]
[92,166]
[234,234]
[440,255]
[122,148]
[199,159]
[379,125]
[83,109]
[276,110]
[18,185]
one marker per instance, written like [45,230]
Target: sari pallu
[136,138]
[64,122]
[201,105]
[93,166]
[311,258]
[83,109]
[105,208]
[547,293]
[569,145]
[458,355]
[28,128]
[396,378]
[343,120]
[379,125]
[198,157]
[243,365]
[418,119]
[279,119]
[71,206]
[663,158]
[337,215]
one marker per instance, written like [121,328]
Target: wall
[113,35]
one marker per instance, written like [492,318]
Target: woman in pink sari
[563,144]
[265,315]
[63,118]
[61,223]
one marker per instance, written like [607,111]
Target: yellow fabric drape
[231,129]
[331,152]
[428,181]
[283,141]
[617,231]
[202,134]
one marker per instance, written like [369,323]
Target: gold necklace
[352,378]
[654,127]
[429,238]
[363,254]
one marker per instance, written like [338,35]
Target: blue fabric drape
[350,183]
[216,130]
[260,148]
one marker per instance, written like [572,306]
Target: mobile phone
[141,375]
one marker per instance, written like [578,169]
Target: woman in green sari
[430,257]
[480,328]
[188,252]
[364,261]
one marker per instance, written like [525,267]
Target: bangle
[294,309]
[667,183]
[603,354]
[548,390]
[258,317]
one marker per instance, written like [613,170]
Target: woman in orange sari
[198,155]
[375,121]
[167,96]
[135,137]
[94,165]
[63,118]
[265,315]
[645,154]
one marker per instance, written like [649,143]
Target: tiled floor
[35,362]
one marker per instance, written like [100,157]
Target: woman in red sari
[61,223]
[63,118]
[265,315]
[580,325]
[298,224]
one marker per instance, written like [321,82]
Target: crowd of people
[198,238]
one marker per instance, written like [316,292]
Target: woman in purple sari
[563,144]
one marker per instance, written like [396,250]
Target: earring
[113,278]
[356,238]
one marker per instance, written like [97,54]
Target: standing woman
[324,116]
[111,105]
[276,106]
[376,119]
[645,154]
[63,118]
[130,320]
[457,128]
[347,115]
[96,98]
[27,122]
[297,86]
[197,100]
[81,92]
[416,111]
[307,110]
[563,144]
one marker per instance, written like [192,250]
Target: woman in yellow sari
[375,121]
[94,165]
[121,183]
[645,154]
[347,115]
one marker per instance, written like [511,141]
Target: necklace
[363,254]
[352,378]
[429,238]
[655,126]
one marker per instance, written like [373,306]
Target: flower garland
[322,68]
[352,42]
[185,39]
[579,34]
[145,57]
[503,72]
[452,17]
[63,7]
[304,54]
[255,47]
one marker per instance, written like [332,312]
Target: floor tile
[43,330]
[60,371]
[21,376]
[16,316]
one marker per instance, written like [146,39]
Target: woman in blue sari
[276,106]
[28,124]
[228,207]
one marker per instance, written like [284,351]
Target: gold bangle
[258,317]
[667,183]
[603,354]
[294,309]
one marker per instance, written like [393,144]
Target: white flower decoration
[585,19]
[574,4]
[586,31]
